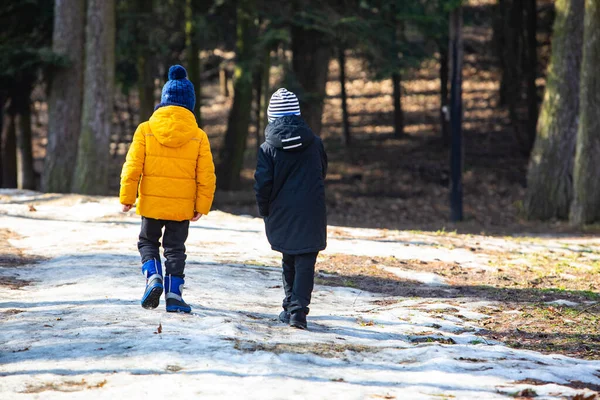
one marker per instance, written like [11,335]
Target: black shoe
[298,320]
[284,317]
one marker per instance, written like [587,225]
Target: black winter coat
[290,189]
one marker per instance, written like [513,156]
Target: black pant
[176,233]
[298,280]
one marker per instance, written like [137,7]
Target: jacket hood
[289,133]
[173,126]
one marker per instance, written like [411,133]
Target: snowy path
[78,331]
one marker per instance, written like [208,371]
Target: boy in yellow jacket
[170,168]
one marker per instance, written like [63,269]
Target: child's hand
[197,216]
[126,207]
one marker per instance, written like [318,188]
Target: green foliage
[396,36]
[26,39]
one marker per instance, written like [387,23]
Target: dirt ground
[545,301]
[11,257]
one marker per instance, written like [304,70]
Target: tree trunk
[9,156]
[223,82]
[586,202]
[266,88]
[501,29]
[146,62]
[193,53]
[21,101]
[2,101]
[91,173]
[398,114]
[531,70]
[234,147]
[258,87]
[456,154]
[346,139]
[550,175]
[310,63]
[65,98]
[444,109]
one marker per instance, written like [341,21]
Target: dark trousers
[176,233]
[298,280]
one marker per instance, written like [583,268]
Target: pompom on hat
[178,91]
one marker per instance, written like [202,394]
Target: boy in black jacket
[290,192]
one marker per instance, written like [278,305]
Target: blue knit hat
[178,91]
[283,102]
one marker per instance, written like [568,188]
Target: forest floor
[395,314]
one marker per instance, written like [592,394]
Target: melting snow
[78,329]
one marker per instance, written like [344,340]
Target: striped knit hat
[283,102]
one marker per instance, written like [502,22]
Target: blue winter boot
[154,284]
[173,288]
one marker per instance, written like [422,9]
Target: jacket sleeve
[324,161]
[205,177]
[133,167]
[264,181]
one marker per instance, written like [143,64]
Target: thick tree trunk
[91,173]
[234,147]
[550,175]
[398,114]
[586,202]
[9,156]
[65,98]
[310,63]
[21,100]
[146,63]
[193,53]
[346,139]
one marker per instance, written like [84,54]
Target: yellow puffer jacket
[172,157]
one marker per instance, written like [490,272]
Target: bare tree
[91,173]
[66,91]
[550,175]
[586,202]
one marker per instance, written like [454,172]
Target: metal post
[456,152]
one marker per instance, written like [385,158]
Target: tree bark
[223,82]
[444,110]
[91,173]
[193,53]
[531,70]
[398,114]
[266,87]
[586,202]
[65,98]
[22,107]
[258,87]
[346,138]
[2,101]
[234,147]
[9,157]
[550,175]
[146,63]
[310,63]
